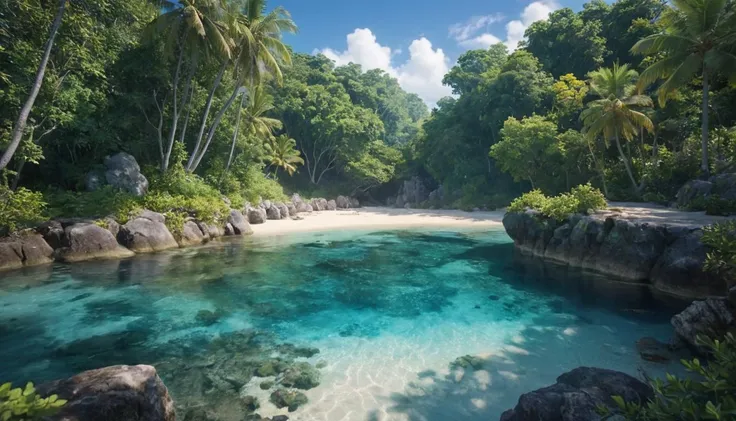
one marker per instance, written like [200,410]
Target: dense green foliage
[708,395]
[721,240]
[24,404]
[581,199]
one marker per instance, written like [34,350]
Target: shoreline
[378,217]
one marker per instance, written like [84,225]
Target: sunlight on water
[389,312]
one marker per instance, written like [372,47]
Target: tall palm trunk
[20,124]
[175,118]
[600,169]
[704,167]
[215,125]
[627,164]
[235,136]
[205,115]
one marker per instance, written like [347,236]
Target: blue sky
[415,41]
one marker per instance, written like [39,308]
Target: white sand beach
[379,217]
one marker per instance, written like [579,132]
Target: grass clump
[581,199]
[25,404]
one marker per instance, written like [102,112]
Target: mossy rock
[271,368]
[468,361]
[301,376]
[266,385]
[250,403]
[321,364]
[290,399]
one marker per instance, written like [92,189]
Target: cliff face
[670,257]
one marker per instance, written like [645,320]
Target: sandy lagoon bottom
[389,312]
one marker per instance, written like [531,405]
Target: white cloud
[467,34]
[421,74]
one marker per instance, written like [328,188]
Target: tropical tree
[698,39]
[281,153]
[615,115]
[19,126]
[194,28]
[260,52]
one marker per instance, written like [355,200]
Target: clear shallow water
[389,312]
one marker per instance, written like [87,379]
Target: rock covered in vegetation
[121,172]
[24,250]
[239,225]
[669,257]
[694,191]
[256,215]
[117,393]
[85,241]
[576,396]
[147,233]
[192,234]
[712,317]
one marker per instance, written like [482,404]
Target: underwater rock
[290,349]
[713,317]
[653,350]
[271,368]
[208,318]
[266,385]
[146,233]
[250,403]
[577,395]
[280,418]
[192,234]
[301,376]
[321,364]
[239,224]
[494,297]
[290,399]
[468,361]
[24,250]
[117,393]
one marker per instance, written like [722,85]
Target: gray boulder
[712,317]
[322,203]
[283,210]
[273,213]
[679,270]
[210,231]
[301,375]
[291,208]
[354,202]
[724,185]
[331,205]
[265,204]
[24,250]
[577,395]
[192,234]
[412,192]
[309,208]
[85,241]
[94,180]
[147,233]
[691,191]
[239,225]
[122,172]
[257,216]
[316,205]
[117,393]
[342,202]
[302,207]
[53,233]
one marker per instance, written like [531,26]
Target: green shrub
[710,394]
[534,199]
[25,404]
[721,258]
[589,198]
[21,208]
[256,186]
[97,204]
[560,207]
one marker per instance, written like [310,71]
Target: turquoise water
[388,311]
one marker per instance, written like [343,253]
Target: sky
[416,41]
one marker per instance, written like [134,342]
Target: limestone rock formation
[146,233]
[85,241]
[117,393]
[577,395]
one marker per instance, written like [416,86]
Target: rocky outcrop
[24,250]
[117,393]
[122,172]
[711,318]
[412,193]
[671,258]
[577,395]
[211,231]
[342,202]
[238,223]
[331,205]
[317,205]
[256,215]
[283,210]
[192,234]
[694,191]
[86,241]
[146,233]
[273,213]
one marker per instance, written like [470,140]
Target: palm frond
[681,76]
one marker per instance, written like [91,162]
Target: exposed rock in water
[713,318]
[239,225]
[24,250]
[88,241]
[117,393]
[256,216]
[146,233]
[577,395]
[290,399]
[192,234]
[669,257]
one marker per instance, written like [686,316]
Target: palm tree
[615,115]
[281,152]
[698,39]
[260,52]
[19,126]
[194,28]
[257,124]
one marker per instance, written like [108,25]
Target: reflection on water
[388,312]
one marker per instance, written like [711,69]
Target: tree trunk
[20,124]
[601,170]
[235,136]
[627,164]
[704,166]
[215,124]
[175,118]
[205,115]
